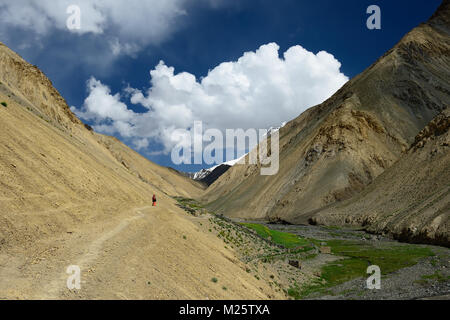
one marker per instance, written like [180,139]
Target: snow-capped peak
[241,160]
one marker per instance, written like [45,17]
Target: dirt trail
[56,287]
[68,196]
[141,253]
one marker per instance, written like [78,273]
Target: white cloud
[127,25]
[102,105]
[41,16]
[258,91]
[141,143]
[107,111]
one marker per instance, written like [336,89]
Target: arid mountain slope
[50,159]
[411,199]
[28,86]
[69,196]
[333,150]
[165,179]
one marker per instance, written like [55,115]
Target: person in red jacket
[154,200]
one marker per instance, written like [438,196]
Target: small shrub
[4,104]
[214,280]
[294,292]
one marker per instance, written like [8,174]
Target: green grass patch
[438,276]
[189,205]
[389,257]
[287,240]
[189,202]
[421,282]
[310,256]
[357,257]
[294,292]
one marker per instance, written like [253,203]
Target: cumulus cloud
[107,111]
[259,90]
[127,25]
[41,16]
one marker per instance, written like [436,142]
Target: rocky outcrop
[28,86]
[410,201]
[437,127]
[333,151]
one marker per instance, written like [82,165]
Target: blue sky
[195,37]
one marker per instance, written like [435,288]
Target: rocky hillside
[26,85]
[49,160]
[70,196]
[411,199]
[334,150]
[215,174]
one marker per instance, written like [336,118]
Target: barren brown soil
[143,253]
[69,196]
[411,200]
[333,151]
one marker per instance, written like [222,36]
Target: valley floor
[315,262]
[166,253]
[427,276]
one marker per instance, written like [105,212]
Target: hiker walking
[154,200]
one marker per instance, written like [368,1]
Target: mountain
[209,176]
[215,174]
[334,150]
[411,199]
[70,196]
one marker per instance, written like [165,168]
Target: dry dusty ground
[143,253]
[70,196]
[335,150]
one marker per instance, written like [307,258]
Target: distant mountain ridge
[335,150]
[49,159]
[411,199]
[69,195]
[209,176]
